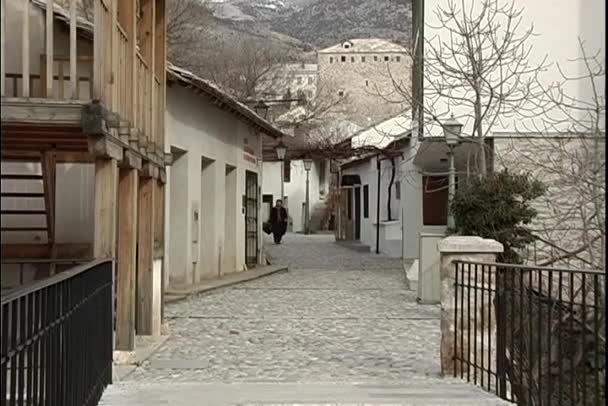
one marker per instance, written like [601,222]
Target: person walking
[278,220]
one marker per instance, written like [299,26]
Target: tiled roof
[364,45]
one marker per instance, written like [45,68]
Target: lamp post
[451,129]
[261,109]
[307,167]
[281,151]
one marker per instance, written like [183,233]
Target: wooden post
[25,49]
[73,52]
[49,47]
[98,55]
[145,257]
[106,188]
[3,39]
[127,258]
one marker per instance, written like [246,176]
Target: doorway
[250,202]
[230,223]
[357,213]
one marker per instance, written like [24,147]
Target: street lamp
[451,129]
[261,109]
[281,151]
[307,167]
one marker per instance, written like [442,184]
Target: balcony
[56,64]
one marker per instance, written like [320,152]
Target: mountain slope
[321,23]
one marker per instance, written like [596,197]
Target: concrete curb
[176,295]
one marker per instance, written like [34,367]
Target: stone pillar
[459,248]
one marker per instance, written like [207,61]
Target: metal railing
[57,338]
[532,335]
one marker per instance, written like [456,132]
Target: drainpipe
[378,207]
[390,190]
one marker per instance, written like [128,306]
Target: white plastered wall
[295,189]
[212,140]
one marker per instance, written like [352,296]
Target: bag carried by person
[267,227]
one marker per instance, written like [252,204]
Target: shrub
[498,207]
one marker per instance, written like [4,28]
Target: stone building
[368,73]
[290,81]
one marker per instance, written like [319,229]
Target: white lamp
[451,130]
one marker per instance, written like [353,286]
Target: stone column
[459,248]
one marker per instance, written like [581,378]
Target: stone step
[427,392]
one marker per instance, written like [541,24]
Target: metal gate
[251,219]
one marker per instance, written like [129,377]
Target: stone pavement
[337,317]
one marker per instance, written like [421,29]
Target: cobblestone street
[338,316]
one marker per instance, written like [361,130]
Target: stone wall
[563,165]
[369,87]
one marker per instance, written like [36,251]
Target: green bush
[498,207]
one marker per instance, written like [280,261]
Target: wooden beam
[73,52]
[127,259]
[105,146]
[3,46]
[25,49]
[106,188]
[49,47]
[42,111]
[48,183]
[42,251]
[145,257]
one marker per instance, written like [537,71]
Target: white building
[525,142]
[418,193]
[559,26]
[213,216]
[295,191]
[294,80]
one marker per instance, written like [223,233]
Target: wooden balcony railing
[121,77]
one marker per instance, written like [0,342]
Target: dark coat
[279,226]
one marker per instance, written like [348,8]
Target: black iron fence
[532,335]
[57,338]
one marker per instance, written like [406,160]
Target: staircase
[28,198]
[419,392]
[318,216]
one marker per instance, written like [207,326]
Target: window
[331,59]
[343,59]
[387,58]
[435,201]
[310,80]
[398,58]
[287,171]
[367,83]
[363,59]
[375,58]
[346,45]
[398,190]
[366,201]
[341,93]
[352,59]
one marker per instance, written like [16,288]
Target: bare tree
[187,20]
[481,65]
[569,156]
